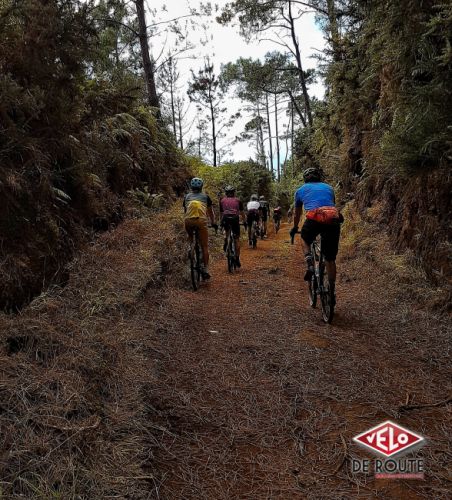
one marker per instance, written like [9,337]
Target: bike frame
[316,287]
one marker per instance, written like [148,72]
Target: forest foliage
[76,136]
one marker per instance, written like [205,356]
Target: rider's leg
[235,228]
[237,246]
[226,236]
[204,242]
[189,230]
[330,245]
[309,232]
[331,269]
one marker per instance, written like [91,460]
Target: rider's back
[253,205]
[196,204]
[315,195]
[231,206]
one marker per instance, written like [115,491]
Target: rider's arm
[298,209]
[297,215]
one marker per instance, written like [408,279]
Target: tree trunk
[300,66]
[299,112]
[260,134]
[173,109]
[269,133]
[292,133]
[278,153]
[179,113]
[214,134]
[148,66]
[199,138]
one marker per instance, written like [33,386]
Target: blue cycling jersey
[314,195]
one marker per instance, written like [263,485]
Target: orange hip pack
[324,215]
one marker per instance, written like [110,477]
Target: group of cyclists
[316,197]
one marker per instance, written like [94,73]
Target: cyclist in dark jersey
[277,214]
[265,209]
[231,211]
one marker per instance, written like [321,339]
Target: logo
[388,439]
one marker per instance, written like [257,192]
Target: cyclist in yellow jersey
[198,207]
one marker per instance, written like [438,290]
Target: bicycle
[254,233]
[277,222]
[195,257]
[231,252]
[319,284]
[261,229]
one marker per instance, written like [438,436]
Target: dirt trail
[257,398]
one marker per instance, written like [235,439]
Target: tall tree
[168,79]
[206,90]
[279,17]
[148,65]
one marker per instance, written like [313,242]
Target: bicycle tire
[254,235]
[313,285]
[195,266]
[231,255]
[325,295]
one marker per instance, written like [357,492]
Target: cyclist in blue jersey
[322,217]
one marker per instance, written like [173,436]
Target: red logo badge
[388,439]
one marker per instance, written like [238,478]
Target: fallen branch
[428,405]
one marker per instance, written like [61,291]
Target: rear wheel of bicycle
[254,239]
[195,266]
[231,256]
[326,296]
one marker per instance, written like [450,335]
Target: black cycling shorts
[231,222]
[252,215]
[329,234]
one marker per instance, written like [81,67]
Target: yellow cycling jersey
[196,204]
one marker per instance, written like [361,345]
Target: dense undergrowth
[76,368]
[74,139]
[383,132]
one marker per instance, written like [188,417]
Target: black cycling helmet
[229,189]
[312,174]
